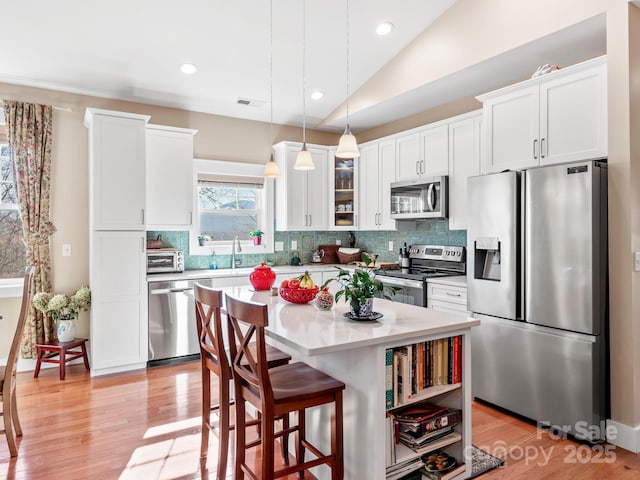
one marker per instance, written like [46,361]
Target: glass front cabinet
[343,192]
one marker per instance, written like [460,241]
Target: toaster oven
[165,260]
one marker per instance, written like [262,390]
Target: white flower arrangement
[61,306]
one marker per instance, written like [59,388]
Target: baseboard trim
[623,436]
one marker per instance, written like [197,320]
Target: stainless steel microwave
[420,198]
[165,260]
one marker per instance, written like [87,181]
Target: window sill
[226,250]
[11,288]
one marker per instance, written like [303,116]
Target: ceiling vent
[249,102]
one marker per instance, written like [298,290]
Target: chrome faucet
[233,251]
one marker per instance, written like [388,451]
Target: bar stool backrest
[209,326]
[25,308]
[249,369]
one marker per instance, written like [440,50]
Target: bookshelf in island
[356,353]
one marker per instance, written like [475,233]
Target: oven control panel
[437,252]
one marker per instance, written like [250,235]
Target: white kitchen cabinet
[119,328]
[447,298]
[559,117]
[116,169]
[344,208]
[423,153]
[435,151]
[377,166]
[464,162]
[408,156]
[169,159]
[301,195]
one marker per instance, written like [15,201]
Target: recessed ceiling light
[384,28]
[188,68]
[317,95]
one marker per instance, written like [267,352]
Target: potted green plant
[203,239]
[63,310]
[257,236]
[360,287]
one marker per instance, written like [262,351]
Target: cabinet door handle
[542,148]
[142,244]
[454,294]
[142,211]
[535,142]
[191,218]
[417,167]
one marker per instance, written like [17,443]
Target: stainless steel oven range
[426,261]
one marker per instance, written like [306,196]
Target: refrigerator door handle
[522,265]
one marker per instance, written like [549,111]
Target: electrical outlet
[636,266]
[294,244]
[66,249]
[279,246]
[391,245]
[338,242]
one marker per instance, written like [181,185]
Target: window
[232,200]
[228,210]
[12,248]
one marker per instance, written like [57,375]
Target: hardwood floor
[145,425]
[533,454]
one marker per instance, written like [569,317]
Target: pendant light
[271,169]
[347,147]
[304,161]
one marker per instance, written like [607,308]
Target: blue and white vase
[66,328]
[361,309]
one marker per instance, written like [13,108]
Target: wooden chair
[277,391]
[214,359]
[12,426]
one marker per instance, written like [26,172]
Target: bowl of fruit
[298,289]
[439,462]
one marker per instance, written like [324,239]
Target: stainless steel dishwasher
[173,333]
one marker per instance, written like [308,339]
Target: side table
[61,353]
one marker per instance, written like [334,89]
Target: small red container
[262,277]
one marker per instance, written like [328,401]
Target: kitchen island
[354,352]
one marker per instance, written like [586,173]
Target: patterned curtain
[29,138]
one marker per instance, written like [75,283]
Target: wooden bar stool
[61,353]
[214,359]
[277,391]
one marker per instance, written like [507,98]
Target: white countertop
[313,332]
[457,281]
[237,272]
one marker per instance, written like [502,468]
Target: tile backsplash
[434,232]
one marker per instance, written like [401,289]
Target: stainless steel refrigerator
[537,280]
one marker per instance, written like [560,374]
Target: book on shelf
[417,441]
[412,369]
[447,418]
[448,475]
[402,469]
[388,371]
[418,412]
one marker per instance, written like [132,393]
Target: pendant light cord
[271,71]
[304,74]
[347,62]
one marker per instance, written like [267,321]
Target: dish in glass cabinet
[367,318]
